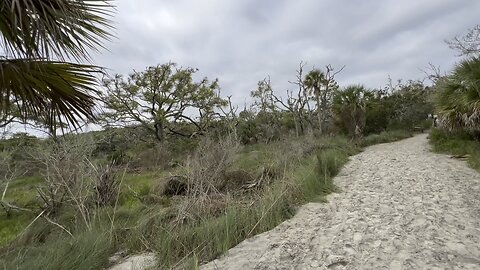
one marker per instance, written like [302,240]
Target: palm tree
[315,81]
[322,85]
[458,97]
[38,37]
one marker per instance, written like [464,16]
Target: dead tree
[230,116]
[467,45]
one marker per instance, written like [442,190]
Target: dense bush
[350,108]
[411,105]
[404,106]
[378,113]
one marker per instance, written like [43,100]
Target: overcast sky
[240,42]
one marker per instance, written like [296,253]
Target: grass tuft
[459,144]
[87,250]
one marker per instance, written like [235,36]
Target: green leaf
[54,28]
[63,90]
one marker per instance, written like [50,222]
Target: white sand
[136,262]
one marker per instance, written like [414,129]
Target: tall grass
[304,170]
[460,144]
[87,250]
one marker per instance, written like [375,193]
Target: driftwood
[460,156]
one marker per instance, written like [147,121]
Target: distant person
[435,120]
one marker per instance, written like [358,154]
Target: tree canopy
[161,99]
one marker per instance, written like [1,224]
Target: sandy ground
[402,207]
[135,262]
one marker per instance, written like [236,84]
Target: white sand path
[401,207]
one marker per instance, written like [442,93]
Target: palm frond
[458,96]
[54,28]
[63,90]
[314,79]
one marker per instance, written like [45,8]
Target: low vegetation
[459,145]
[385,137]
[266,182]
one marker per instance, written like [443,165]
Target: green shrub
[385,137]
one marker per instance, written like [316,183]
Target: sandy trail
[402,207]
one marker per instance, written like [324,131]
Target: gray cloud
[241,42]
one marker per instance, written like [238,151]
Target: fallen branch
[54,223]
[14,207]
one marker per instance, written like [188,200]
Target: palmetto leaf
[33,33]
[54,28]
[41,86]
[314,79]
[458,96]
